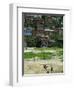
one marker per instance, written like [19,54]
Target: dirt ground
[43,66]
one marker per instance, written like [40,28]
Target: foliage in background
[31,41]
[49,22]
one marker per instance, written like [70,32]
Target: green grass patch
[58,52]
[48,48]
[42,55]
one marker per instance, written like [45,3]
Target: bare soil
[43,66]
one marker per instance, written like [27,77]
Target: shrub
[31,41]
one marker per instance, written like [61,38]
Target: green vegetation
[43,37]
[31,41]
[49,54]
[60,54]
[42,22]
[41,55]
[48,48]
